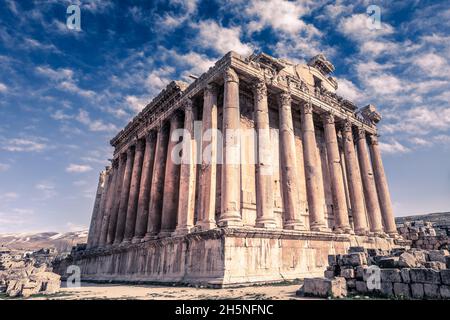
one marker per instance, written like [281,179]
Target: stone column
[186,201]
[130,223]
[207,194]
[144,191]
[112,225]
[94,226]
[102,206]
[340,209]
[382,187]
[315,200]
[171,180]
[264,193]
[288,160]
[370,191]
[354,182]
[157,186]
[122,216]
[108,207]
[231,188]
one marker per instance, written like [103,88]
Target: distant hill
[62,242]
[437,217]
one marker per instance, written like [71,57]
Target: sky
[65,93]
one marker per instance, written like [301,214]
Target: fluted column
[94,225]
[207,194]
[145,184]
[130,223]
[108,206]
[354,182]
[186,202]
[290,190]
[124,196]
[340,209]
[370,191]
[231,188]
[171,181]
[112,224]
[157,186]
[315,200]
[382,187]
[264,191]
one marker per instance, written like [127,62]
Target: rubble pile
[423,235]
[400,273]
[25,277]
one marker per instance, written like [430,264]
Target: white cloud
[3,87]
[9,196]
[348,90]
[94,125]
[393,147]
[356,27]
[186,9]
[78,168]
[23,145]
[221,39]
[46,189]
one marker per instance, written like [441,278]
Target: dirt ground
[92,291]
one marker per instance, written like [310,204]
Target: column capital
[327,117]
[307,108]
[211,88]
[373,139]
[176,116]
[360,133]
[187,104]
[347,126]
[123,156]
[150,135]
[231,76]
[259,90]
[285,98]
[140,144]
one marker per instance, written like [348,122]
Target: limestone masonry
[240,208]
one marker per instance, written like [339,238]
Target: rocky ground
[91,291]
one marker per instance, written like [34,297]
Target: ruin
[240,208]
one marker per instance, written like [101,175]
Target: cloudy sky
[64,94]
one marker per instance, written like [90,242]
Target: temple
[277,171]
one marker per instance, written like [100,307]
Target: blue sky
[65,94]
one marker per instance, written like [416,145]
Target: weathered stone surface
[417,290]
[347,273]
[444,291]
[386,289]
[357,249]
[407,260]
[353,259]
[361,286]
[360,272]
[351,284]
[435,265]
[447,262]
[322,287]
[431,291]
[402,290]
[405,275]
[328,274]
[390,275]
[445,276]
[425,276]
[391,262]
[332,259]
[437,255]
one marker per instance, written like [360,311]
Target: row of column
[146,194]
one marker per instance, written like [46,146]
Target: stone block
[390,275]
[402,290]
[332,260]
[347,273]
[445,276]
[417,290]
[322,287]
[360,272]
[425,276]
[356,249]
[397,251]
[407,260]
[386,289]
[390,262]
[444,291]
[420,255]
[431,291]
[353,259]
[351,284]
[329,274]
[435,265]
[447,262]
[436,255]
[361,286]
[405,275]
